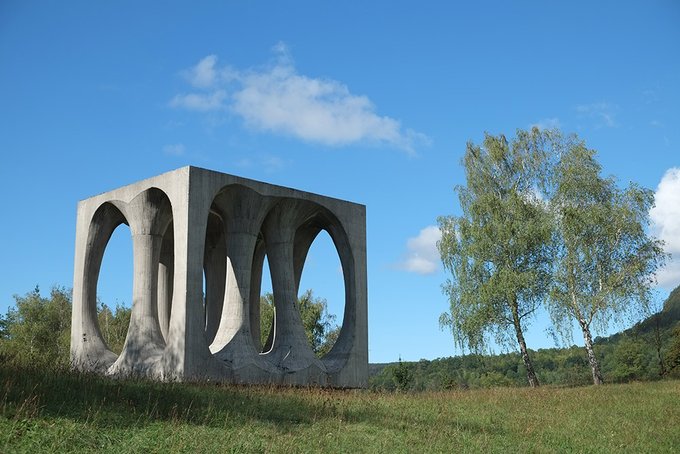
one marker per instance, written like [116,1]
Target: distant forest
[650,350]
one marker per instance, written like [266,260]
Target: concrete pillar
[242,211]
[149,215]
[291,351]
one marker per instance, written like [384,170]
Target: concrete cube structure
[190,221]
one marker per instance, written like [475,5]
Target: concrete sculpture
[190,221]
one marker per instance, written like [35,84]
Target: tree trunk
[592,360]
[531,375]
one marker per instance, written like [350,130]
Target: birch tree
[498,251]
[605,261]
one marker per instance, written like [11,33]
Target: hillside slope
[636,353]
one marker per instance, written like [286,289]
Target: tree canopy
[540,225]
[498,250]
[38,329]
[605,261]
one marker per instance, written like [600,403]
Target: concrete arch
[215,269]
[290,350]
[324,220]
[149,215]
[242,211]
[104,221]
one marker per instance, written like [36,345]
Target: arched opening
[166,279]
[214,274]
[107,291]
[321,294]
[114,289]
[265,332]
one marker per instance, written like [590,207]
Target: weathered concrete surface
[190,221]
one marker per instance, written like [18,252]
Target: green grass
[59,412]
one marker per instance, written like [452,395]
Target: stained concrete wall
[190,220]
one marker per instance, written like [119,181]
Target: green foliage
[402,376]
[673,354]
[114,325]
[38,330]
[630,360]
[319,325]
[315,318]
[4,332]
[498,251]
[266,317]
[604,261]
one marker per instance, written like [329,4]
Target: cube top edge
[188,173]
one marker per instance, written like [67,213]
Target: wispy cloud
[422,256]
[547,123]
[665,216]
[276,99]
[603,114]
[203,75]
[267,162]
[176,149]
[201,102]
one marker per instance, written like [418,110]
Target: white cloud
[602,113]
[277,99]
[203,75]
[177,149]
[422,256]
[201,102]
[665,217]
[669,276]
[547,123]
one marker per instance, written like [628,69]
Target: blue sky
[371,102]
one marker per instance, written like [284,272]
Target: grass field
[60,412]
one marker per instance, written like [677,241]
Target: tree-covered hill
[664,319]
[646,351]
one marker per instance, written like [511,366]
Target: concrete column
[149,215]
[236,314]
[242,211]
[144,342]
[291,351]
